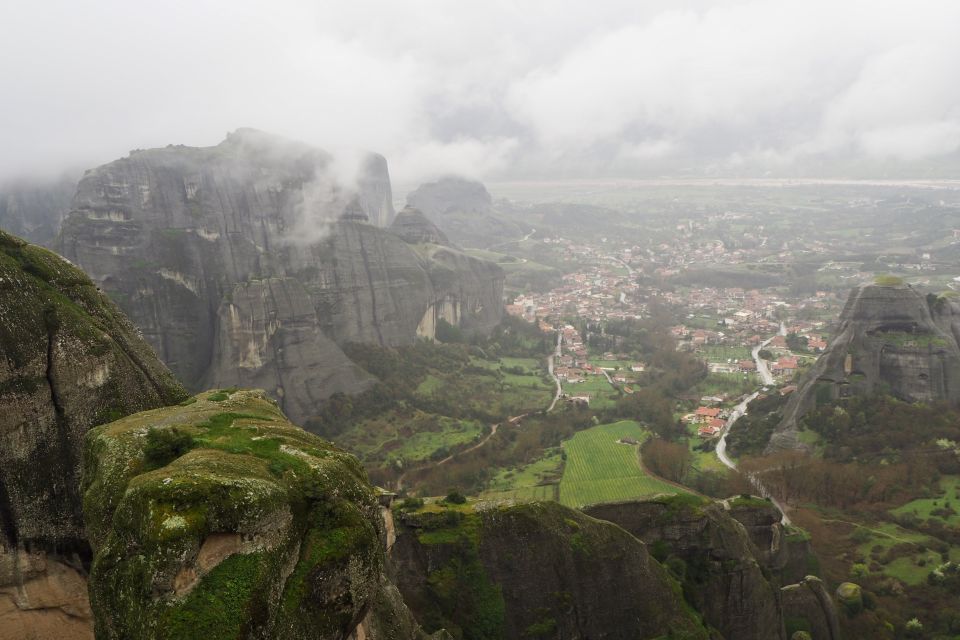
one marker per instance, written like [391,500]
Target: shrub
[455,497]
[164,445]
[411,504]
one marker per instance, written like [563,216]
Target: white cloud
[542,86]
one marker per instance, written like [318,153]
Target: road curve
[739,411]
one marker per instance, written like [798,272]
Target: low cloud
[490,90]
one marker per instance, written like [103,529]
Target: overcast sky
[492,89]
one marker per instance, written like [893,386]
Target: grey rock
[69,360]
[732,592]
[809,600]
[464,211]
[890,338]
[248,264]
[414,227]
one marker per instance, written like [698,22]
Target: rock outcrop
[890,339]
[807,604]
[464,211]
[218,518]
[246,264]
[723,578]
[415,228]
[70,361]
[534,571]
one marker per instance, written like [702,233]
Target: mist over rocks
[248,263]
[34,209]
[463,209]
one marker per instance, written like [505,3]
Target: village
[722,326]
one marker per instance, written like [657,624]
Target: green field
[527,483]
[599,469]
[948,499]
[411,438]
[602,394]
[723,353]
[731,384]
[913,565]
[702,460]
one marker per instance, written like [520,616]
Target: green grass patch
[599,469]
[936,508]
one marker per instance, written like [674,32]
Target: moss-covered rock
[534,571]
[69,360]
[255,529]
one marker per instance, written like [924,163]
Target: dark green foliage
[455,497]
[164,445]
[796,342]
[217,608]
[411,504]
[876,426]
[449,333]
[751,433]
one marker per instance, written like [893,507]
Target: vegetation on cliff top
[303,553]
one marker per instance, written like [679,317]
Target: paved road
[738,412]
[557,352]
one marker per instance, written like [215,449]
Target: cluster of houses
[572,366]
[710,421]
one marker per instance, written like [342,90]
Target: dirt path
[872,530]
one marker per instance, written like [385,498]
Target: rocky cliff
[534,571]
[890,339]
[722,576]
[247,264]
[70,360]
[464,211]
[220,519]
[414,227]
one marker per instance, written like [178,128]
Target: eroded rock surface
[237,525]
[724,580]
[247,264]
[535,570]
[890,338]
[69,360]
[464,211]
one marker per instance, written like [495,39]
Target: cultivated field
[599,469]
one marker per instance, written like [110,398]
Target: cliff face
[220,519]
[464,211]
[246,263]
[890,338]
[70,360]
[724,580]
[539,571]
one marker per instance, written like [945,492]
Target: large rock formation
[809,606]
[69,360]
[891,339]
[535,571]
[220,519]
[414,227]
[464,211]
[723,578]
[247,263]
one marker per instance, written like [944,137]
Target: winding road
[557,352]
[740,410]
